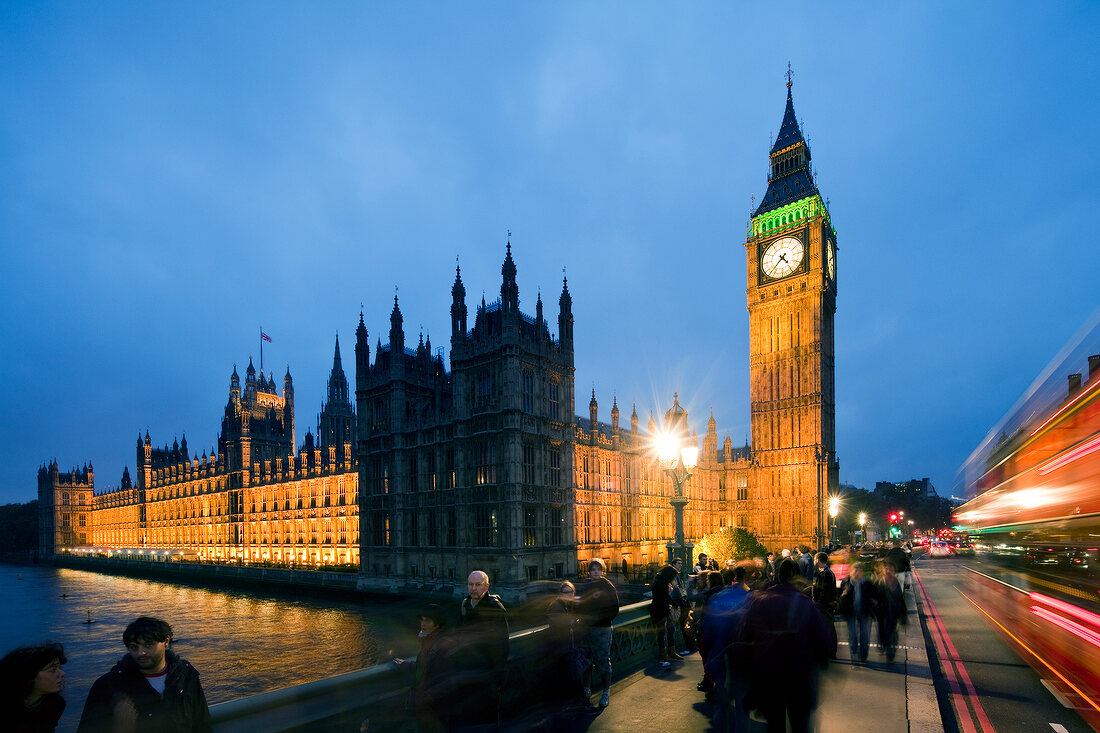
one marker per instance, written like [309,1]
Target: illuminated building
[792,287]
[253,499]
[433,472]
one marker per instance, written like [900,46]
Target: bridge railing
[379,694]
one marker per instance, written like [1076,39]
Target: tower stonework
[791,297]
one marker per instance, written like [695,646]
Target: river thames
[241,643]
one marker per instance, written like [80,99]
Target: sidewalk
[884,697]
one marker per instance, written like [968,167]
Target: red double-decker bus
[1034,521]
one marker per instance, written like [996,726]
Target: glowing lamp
[668,451]
[690,456]
[834,506]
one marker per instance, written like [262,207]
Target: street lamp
[822,457]
[862,521]
[834,510]
[678,457]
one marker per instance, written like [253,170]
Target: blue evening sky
[175,175]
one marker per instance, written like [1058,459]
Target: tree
[735,543]
[19,527]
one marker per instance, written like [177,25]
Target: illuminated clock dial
[782,257]
[830,254]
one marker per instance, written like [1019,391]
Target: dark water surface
[241,643]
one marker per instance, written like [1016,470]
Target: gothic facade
[486,465]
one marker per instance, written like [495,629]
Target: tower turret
[397,336]
[458,309]
[509,290]
[565,316]
[593,408]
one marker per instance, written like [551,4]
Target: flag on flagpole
[265,337]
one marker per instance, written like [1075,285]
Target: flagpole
[261,349]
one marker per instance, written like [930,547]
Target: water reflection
[241,643]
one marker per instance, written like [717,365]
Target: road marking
[1057,695]
[1059,728]
[961,688]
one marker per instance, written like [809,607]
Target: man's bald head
[477,585]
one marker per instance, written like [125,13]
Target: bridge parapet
[379,694]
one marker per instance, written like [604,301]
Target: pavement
[880,696]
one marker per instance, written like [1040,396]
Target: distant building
[913,489]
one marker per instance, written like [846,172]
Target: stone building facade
[433,471]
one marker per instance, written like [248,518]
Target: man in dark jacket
[784,641]
[824,586]
[481,656]
[150,690]
[599,607]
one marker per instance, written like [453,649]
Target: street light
[862,521]
[678,456]
[822,457]
[834,510]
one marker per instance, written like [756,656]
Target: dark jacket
[784,639]
[434,688]
[868,595]
[182,709]
[661,605]
[599,603]
[42,718]
[824,590]
[482,637]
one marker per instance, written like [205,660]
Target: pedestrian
[712,583]
[857,605]
[598,608]
[681,614]
[824,590]
[481,656]
[30,688]
[891,607]
[660,610]
[768,574]
[785,643]
[432,690]
[806,563]
[565,648]
[725,611]
[149,689]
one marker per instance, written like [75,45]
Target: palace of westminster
[431,473]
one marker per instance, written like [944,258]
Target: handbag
[576,661]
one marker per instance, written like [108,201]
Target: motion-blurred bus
[1033,519]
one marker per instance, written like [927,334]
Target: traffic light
[894,530]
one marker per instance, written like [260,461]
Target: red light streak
[1090,390]
[1072,627]
[1090,446]
[1067,608]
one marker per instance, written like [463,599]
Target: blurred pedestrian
[785,644]
[857,605]
[891,607]
[433,687]
[725,612]
[598,608]
[30,688]
[481,656]
[660,610]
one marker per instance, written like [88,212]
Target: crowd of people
[764,630]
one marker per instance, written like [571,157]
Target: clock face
[830,253]
[782,257]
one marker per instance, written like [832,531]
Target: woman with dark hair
[30,688]
[660,610]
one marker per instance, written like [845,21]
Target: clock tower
[791,252]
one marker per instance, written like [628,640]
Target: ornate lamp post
[862,522]
[834,510]
[821,456]
[678,457]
